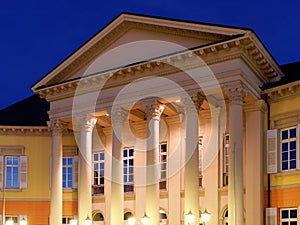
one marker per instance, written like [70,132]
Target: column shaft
[191,194]
[254,162]
[85,168]
[117,181]
[153,111]
[56,173]
[236,95]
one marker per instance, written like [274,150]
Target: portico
[175,90]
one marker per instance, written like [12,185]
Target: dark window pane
[284,134]
[285,223]
[293,133]
[125,153]
[101,156]
[64,161]
[285,156]
[292,145]
[284,214]
[292,154]
[293,213]
[95,157]
[293,164]
[285,146]
[293,223]
[70,160]
[130,152]
[131,162]
[285,166]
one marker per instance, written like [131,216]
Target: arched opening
[98,219]
[225,217]
[163,217]
[127,215]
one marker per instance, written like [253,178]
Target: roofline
[119,19]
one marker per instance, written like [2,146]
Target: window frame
[67,166]
[12,166]
[289,219]
[18,152]
[288,141]
[163,161]
[128,183]
[98,187]
[225,166]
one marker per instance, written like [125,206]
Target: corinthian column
[236,94]
[153,111]
[57,128]
[86,124]
[117,183]
[191,190]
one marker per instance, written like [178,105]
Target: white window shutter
[75,171]
[1,172]
[23,171]
[271,216]
[272,151]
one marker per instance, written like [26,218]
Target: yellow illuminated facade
[159,119]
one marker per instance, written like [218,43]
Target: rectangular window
[128,169]
[12,164]
[288,216]
[98,161]
[13,167]
[67,172]
[66,220]
[15,219]
[288,148]
[163,166]
[225,160]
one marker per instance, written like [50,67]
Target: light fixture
[205,216]
[23,221]
[190,217]
[73,221]
[131,220]
[145,219]
[9,221]
[88,221]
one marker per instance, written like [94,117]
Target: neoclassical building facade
[158,117]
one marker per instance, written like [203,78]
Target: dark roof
[31,111]
[291,72]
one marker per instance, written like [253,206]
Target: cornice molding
[283,92]
[238,45]
[25,131]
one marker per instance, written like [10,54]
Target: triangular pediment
[129,39]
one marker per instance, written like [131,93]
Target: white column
[153,111]
[191,193]
[254,162]
[117,182]
[86,124]
[57,128]
[236,94]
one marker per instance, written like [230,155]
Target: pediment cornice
[241,47]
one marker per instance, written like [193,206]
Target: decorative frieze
[25,131]
[57,127]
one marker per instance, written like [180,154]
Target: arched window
[98,219]
[225,217]
[163,217]
[127,215]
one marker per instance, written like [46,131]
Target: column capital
[153,109]
[195,101]
[236,93]
[57,127]
[118,116]
[86,122]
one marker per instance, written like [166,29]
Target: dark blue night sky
[38,35]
